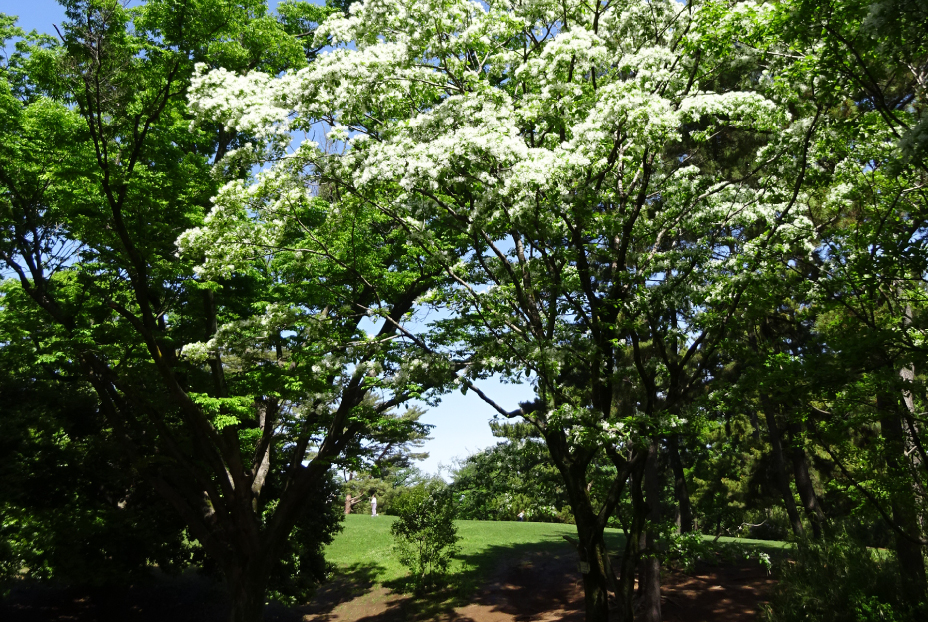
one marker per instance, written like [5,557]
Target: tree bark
[350,502]
[592,552]
[904,512]
[626,589]
[779,465]
[591,546]
[649,580]
[684,506]
[594,562]
[247,581]
[810,501]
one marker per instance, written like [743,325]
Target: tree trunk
[905,515]
[810,502]
[684,507]
[649,581]
[626,589]
[350,502]
[755,426]
[592,552]
[591,546]
[594,562]
[779,464]
[247,587]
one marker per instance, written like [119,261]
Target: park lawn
[366,545]
[763,545]
[366,541]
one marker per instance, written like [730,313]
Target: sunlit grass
[366,543]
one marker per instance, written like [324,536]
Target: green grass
[364,550]
[768,546]
[366,542]
[763,544]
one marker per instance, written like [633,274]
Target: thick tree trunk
[810,502]
[649,579]
[684,507]
[247,582]
[904,512]
[779,465]
[350,502]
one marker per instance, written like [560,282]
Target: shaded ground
[189,598]
[536,583]
[730,592]
[543,586]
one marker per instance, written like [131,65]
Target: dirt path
[536,587]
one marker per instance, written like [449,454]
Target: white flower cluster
[243,336]
[508,113]
[447,89]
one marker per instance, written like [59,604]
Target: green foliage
[704,258]
[72,507]
[685,549]
[100,173]
[424,534]
[511,477]
[382,463]
[302,565]
[840,580]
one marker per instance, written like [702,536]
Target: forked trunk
[626,589]
[593,568]
[598,577]
[779,464]
[590,527]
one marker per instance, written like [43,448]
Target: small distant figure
[373,505]
[521,516]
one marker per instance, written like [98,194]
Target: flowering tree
[598,184]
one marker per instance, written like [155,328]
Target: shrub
[685,549]
[424,534]
[840,580]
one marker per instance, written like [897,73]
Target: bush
[424,534]
[840,580]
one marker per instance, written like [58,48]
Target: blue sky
[461,421]
[34,14]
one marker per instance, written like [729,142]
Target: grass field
[365,547]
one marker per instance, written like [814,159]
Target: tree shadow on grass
[534,580]
[349,583]
[522,581]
